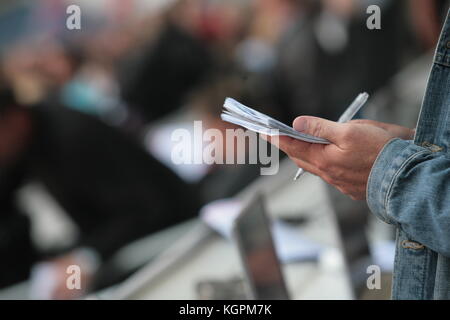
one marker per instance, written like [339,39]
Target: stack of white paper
[246,117]
[256,121]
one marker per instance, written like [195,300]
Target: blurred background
[86,117]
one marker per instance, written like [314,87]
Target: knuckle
[317,129]
[347,132]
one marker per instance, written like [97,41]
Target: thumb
[318,127]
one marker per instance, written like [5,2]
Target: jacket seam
[395,177]
[442,63]
[424,272]
[371,174]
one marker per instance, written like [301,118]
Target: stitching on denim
[372,172]
[441,55]
[395,284]
[442,58]
[442,63]
[396,174]
[433,85]
[418,132]
[424,272]
[441,128]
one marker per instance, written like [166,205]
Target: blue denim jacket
[409,187]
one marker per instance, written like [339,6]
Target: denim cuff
[388,165]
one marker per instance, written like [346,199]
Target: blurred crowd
[76,104]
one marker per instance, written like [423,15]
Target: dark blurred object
[16,252]
[167,71]
[428,17]
[227,180]
[6,99]
[112,189]
[319,74]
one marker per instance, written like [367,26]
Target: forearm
[409,187]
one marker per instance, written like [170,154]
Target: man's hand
[396,130]
[347,161]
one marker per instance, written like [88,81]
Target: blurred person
[257,51]
[19,67]
[403,174]
[38,71]
[427,18]
[272,18]
[170,65]
[70,74]
[111,188]
[328,55]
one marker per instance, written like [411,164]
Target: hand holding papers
[251,119]
[348,115]
[256,121]
[246,117]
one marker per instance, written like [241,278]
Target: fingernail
[300,124]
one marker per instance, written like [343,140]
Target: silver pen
[348,115]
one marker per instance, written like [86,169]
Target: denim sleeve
[409,187]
